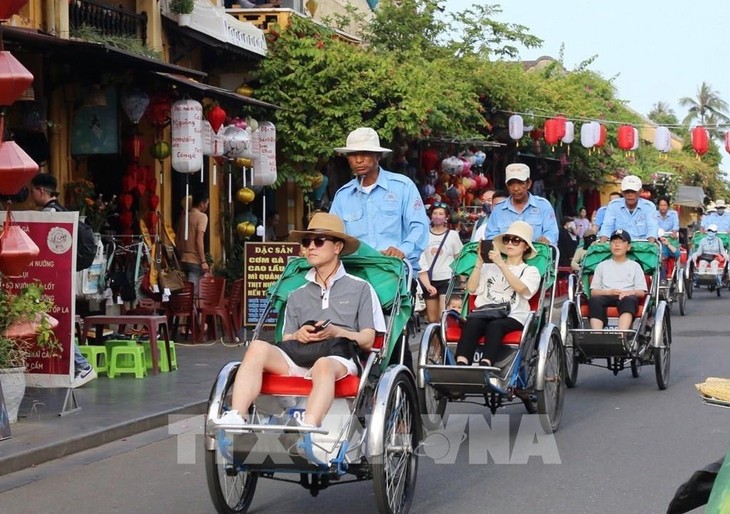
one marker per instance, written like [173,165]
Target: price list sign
[265,263]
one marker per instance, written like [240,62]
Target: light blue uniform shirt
[600,214]
[392,214]
[670,223]
[640,224]
[538,213]
[722,222]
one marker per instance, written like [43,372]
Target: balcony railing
[107,20]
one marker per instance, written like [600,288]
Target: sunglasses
[439,205]
[512,240]
[318,241]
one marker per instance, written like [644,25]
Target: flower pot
[184,20]
[13,384]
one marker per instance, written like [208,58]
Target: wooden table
[151,321]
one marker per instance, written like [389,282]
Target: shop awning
[82,52]
[214,91]
[690,196]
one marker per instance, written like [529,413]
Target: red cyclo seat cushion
[298,386]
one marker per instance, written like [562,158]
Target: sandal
[485,362]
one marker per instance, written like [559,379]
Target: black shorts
[441,287]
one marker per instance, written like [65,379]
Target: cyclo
[714,281]
[678,286]
[647,342]
[530,371]
[371,431]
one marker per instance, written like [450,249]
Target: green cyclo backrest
[722,236]
[643,252]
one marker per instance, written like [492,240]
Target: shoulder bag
[491,311]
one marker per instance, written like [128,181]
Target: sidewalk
[111,409]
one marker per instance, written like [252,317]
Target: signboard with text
[264,262]
[54,268]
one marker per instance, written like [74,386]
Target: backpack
[86,246]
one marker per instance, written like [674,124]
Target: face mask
[438,219]
[487,208]
[710,236]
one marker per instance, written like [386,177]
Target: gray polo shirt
[349,302]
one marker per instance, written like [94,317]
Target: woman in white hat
[501,280]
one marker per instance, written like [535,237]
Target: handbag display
[169,274]
[306,354]
[491,311]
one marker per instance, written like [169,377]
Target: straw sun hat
[520,229]
[324,224]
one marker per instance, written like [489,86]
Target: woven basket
[714,387]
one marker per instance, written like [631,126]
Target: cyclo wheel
[635,368]
[529,399]
[550,398]
[395,470]
[231,489]
[662,355]
[570,360]
[689,284]
[432,404]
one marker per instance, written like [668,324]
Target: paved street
[623,447]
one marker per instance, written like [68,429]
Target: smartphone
[319,328]
[484,248]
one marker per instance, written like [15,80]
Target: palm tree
[706,103]
[662,114]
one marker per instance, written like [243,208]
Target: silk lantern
[186,136]
[158,111]
[569,135]
[516,127]
[552,131]
[626,137]
[236,142]
[160,150]
[14,78]
[245,195]
[727,142]
[135,104]
[17,249]
[587,135]
[636,139]
[600,134]
[16,168]
[700,140]
[216,117]
[561,121]
[662,139]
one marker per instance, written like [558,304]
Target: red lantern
[429,160]
[700,140]
[16,168]
[626,137]
[561,126]
[727,142]
[552,131]
[126,219]
[14,78]
[536,134]
[158,112]
[151,184]
[10,7]
[134,146]
[126,201]
[153,202]
[216,117]
[601,137]
[17,249]
[141,188]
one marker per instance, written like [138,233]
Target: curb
[58,449]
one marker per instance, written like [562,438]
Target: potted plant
[183,8]
[25,327]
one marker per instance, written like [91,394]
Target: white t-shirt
[624,276]
[449,251]
[494,288]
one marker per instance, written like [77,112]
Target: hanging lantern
[160,150]
[16,168]
[134,146]
[252,123]
[662,139]
[10,7]
[516,127]
[216,117]
[429,159]
[700,140]
[245,229]
[126,200]
[479,158]
[153,202]
[236,142]
[636,139]
[135,104]
[186,136]
[17,249]
[152,221]
[561,126]
[536,134]
[626,134]
[569,133]
[126,219]
[600,134]
[158,111]
[552,131]
[245,195]
[727,141]
[243,162]
[588,135]
[14,78]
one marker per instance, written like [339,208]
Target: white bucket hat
[631,183]
[720,204]
[520,229]
[363,139]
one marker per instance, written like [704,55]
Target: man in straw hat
[633,214]
[332,304]
[523,206]
[379,207]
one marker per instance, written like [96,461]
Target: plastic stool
[138,364]
[97,357]
[164,366]
[111,343]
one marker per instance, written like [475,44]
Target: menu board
[55,268]
[264,264]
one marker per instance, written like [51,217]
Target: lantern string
[608,122]
[215,172]
[187,206]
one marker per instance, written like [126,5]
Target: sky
[654,50]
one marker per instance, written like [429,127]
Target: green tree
[707,102]
[662,114]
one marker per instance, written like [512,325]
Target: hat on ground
[520,229]
[720,204]
[631,183]
[45,181]
[517,171]
[620,234]
[326,224]
[363,139]
[712,228]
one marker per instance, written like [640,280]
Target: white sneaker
[231,417]
[83,376]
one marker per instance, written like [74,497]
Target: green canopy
[722,236]
[387,275]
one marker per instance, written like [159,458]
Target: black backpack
[85,241]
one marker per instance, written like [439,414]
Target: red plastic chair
[234,303]
[182,305]
[213,306]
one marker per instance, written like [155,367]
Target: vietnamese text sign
[265,263]
[54,268]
